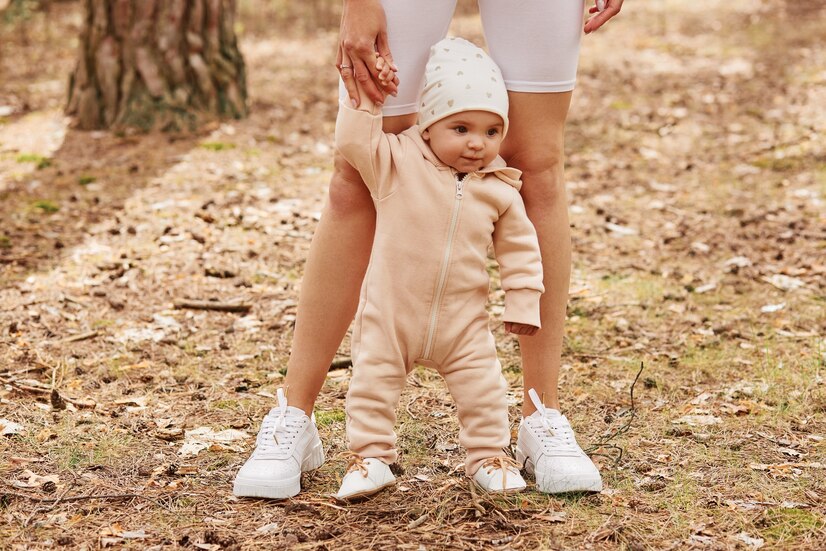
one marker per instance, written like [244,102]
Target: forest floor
[696,171]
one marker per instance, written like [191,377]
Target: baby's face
[466,141]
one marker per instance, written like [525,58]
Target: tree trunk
[157,64]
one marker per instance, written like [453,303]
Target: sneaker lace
[354,462]
[503,463]
[278,433]
[555,433]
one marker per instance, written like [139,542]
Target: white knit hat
[461,77]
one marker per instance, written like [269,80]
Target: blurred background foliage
[286,17]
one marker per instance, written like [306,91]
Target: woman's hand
[520,328]
[612,8]
[363,33]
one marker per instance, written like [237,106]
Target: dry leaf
[698,420]
[790,452]
[754,543]
[202,438]
[784,282]
[556,516]
[170,434]
[7,428]
[618,230]
[134,534]
[735,409]
[34,480]
[139,401]
[705,288]
[267,528]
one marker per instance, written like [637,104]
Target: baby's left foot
[365,476]
[499,474]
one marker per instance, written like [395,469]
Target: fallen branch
[54,396]
[81,336]
[418,522]
[410,403]
[474,499]
[605,442]
[27,388]
[22,371]
[212,305]
[341,363]
[74,498]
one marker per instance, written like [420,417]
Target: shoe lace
[503,463]
[355,462]
[555,433]
[278,433]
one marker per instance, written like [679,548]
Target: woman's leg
[540,72]
[341,245]
[535,145]
[338,258]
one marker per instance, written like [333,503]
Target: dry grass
[699,133]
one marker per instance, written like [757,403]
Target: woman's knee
[347,193]
[542,174]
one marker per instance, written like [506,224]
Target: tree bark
[157,64]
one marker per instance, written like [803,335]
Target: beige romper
[424,295]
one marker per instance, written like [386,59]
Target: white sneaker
[547,447]
[365,476]
[287,445]
[499,474]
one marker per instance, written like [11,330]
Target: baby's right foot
[365,476]
[499,474]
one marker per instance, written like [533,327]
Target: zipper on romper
[442,281]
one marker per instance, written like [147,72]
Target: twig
[21,371]
[81,336]
[26,388]
[211,305]
[410,403]
[327,504]
[593,535]
[632,413]
[474,499]
[418,522]
[341,363]
[52,506]
[75,498]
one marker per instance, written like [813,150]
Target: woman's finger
[367,79]
[612,8]
[345,70]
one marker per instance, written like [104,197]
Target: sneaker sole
[361,495]
[560,484]
[278,489]
[506,491]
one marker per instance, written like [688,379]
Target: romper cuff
[522,306]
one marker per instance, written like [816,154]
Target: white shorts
[534,42]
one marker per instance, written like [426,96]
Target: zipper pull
[460,185]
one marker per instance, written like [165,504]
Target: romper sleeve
[520,263]
[363,144]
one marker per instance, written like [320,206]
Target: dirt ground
[696,170]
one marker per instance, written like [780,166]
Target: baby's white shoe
[499,474]
[365,476]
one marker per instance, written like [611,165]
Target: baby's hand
[387,71]
[520,328]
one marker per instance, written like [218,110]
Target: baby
[443,196]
